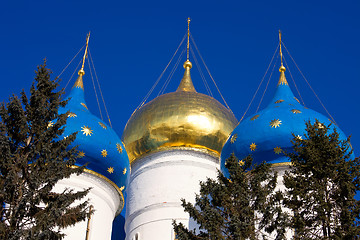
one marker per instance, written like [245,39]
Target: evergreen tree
[321,186]
[33,158]
[243,206]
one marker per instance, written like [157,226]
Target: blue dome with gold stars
[266,134]
[98,144]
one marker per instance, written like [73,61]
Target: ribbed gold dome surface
[184,118]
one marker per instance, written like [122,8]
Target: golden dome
[181,119]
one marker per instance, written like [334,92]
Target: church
[168,146]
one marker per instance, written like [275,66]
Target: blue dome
[266,134]
[98,144]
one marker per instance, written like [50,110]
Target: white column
[281,168]
[107,202]
[157,183]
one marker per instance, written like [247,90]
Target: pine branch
[33,159]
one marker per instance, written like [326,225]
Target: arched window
[137,236]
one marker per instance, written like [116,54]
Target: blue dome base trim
[120,192]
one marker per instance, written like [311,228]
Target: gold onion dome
[183,119]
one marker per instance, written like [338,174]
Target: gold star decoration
[83,104]
[110,170]
[241,163]
[298,137]
[320,125]
[81,154]
[253,147]
[119,148]
[124,171]
[50,124]
[122,188]
[275,123]
[104,153]
[279,101]
[254,117]
[73,115]
[233,138]
[102,125]
[296,111]
[86,130]
[297,99]
[277,150]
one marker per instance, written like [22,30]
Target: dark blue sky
[132,42]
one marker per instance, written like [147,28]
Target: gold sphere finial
[282,69]
[81,72]
[187,64]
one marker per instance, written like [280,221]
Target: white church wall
[105,200]
[281,169]
[157,183]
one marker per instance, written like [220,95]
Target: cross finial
[82,72]
[188,38]
[282,68]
